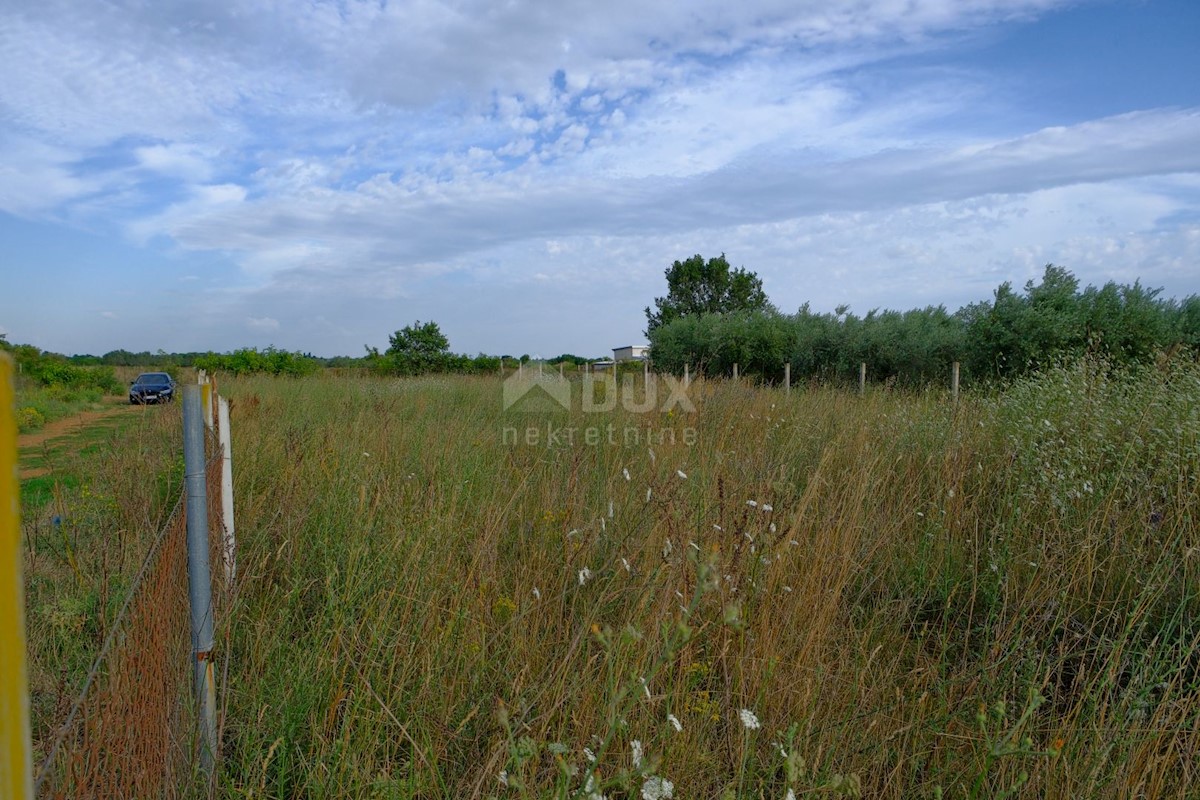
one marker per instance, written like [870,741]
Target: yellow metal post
[16,755]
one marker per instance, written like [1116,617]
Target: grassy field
[822,593]
[88,515]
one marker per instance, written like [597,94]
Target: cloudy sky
[315,175]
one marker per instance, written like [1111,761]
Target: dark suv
[152,387]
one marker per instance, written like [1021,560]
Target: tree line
[715,316]
[1010,335]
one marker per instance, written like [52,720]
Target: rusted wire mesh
[132,733]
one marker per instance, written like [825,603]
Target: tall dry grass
[906,598]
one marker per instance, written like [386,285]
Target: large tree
[420,347]
[696,286]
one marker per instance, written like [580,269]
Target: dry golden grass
[997,599]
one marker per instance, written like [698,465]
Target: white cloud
[178,160]
[347,154]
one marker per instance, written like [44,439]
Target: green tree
[417,348]
[696,286]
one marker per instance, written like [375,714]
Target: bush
[29,419]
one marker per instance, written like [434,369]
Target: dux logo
[537,393]
[542,393]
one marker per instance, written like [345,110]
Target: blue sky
[317,175]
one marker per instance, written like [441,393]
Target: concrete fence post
[199,574]
[862,378]
[735,371]
[227,492]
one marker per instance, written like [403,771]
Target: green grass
[999,598]
[38,405]
[414,615]
[86,525]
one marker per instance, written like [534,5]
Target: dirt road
[62,428]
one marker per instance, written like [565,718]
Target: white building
[632,352]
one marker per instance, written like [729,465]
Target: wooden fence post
[16,749]
[862,378]
[787,378]
[954,381]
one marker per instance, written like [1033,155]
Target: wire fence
[132,730]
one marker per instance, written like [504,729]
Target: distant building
[632,352]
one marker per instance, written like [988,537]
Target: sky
[317,175]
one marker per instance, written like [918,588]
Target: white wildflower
[590,790]
[625,472]
[752,503]
[668,548]
[584,575]
[636,746]
[718,527]
[503,777]
[656,788]
[610,509]
[589,755]
[536,594]
[675,723]
[682,475]
[791,794]
[787,588]
[649,491]
[625,564]
[646,688]
[749,721]
[365,453]
[771,527]
[767,507]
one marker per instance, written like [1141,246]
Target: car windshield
[154,379]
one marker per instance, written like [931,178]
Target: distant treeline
[1011,335]
[52,370]
[274,361]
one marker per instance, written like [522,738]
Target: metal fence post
[16,752]
[199,575]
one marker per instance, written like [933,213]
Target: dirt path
[61,428]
